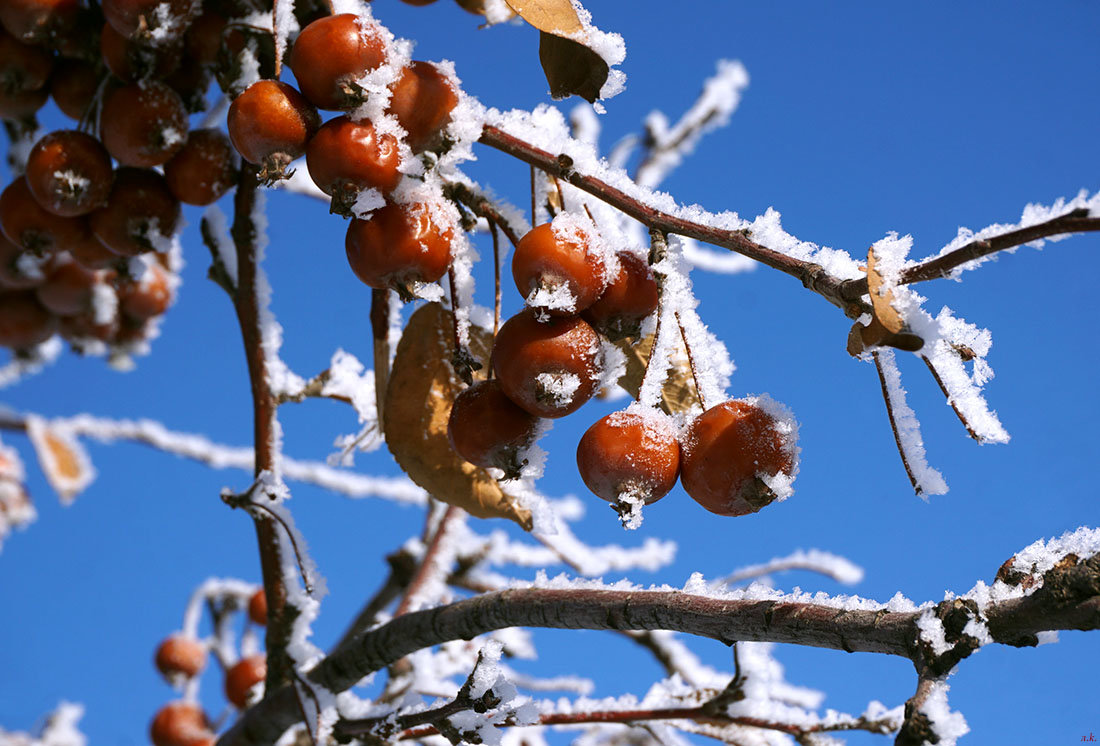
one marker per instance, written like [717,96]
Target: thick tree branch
[1068,599]
[265,427]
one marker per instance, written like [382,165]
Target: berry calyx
[739,456]
[331,53]
[489,430]
[346,157]
[630,458]
[69,173]
[401,246]
[557,268]
[422,99]
[549,369]
[179,656]
[244,675]
[143,124]
[140,214]
[257,607]
[179,724]
[203,170]
[630,297]
[270,124]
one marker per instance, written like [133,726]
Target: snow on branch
[831,565]
[31,362]
[60,729]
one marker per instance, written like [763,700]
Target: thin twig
[893,422]
[380,335]
[424,571]
[691,361]
[950,400]
[496,280]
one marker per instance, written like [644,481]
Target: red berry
[400,245]
[550,369]
[257,607]
[23,321]
[140,213]
[422,100]
[630,297]
[204,169]
[730,453]
[151,21]
[630,457]
[143,124]
[179,724]
[331,53]
[557,268]
[180,656]
[69,173]
[270,125]
[37,20]
[130,60]
[73,86]
[23,67]
[487,429]
[240,679]
[148,297]
[27,225]
[68,289]
[346,157]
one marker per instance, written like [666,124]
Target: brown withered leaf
[569,65]
[552,16]
[421,391]
[678,393]
[64,461]
[882,300]
[887,328]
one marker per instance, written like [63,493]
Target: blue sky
[861,118]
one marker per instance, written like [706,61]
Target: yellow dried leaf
[882,298]
[64,461]
[422,388]
[678,394]
[887,328]
[551,16]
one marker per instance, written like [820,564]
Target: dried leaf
[678,393]
[551,16]
[882,297]
[887,327]
[63,460]
[418,403]
[571,67]
[16,509]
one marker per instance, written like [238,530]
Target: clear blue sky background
[861,118]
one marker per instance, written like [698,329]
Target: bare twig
[893,422]
[380,334]
[950,400]
[427,567]
[481,206]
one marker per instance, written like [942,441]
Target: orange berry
[140,212]
[331,53]
[270,124]
[257,607]
[630,457]
[488,429]
[422,100]
[69,173]
[179,724]
[203,170]
[143,124]
[346,157]
[23,321]
[630,297]
[180,656]
[399,246]
[556,268]
[244,675]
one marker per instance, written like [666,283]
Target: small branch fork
[1069,598]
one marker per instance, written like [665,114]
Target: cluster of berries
[733,459]
[406,241]
[180,659]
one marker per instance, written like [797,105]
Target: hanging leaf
[678,394]
[63,460]
[422,388]
[570,66]
[887,327]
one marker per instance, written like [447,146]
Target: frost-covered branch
[1048,586]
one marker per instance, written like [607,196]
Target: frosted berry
[400,246]
[204,38]
[204,169]
[26,224]
[557,269]
[257,607]
[143,124]
[23,320]
[73,86]
[23,67]
[270,125]
[180,656]
[629,458]
[130,60]
[147,297]
[331,53]
[179,724]
[150,21]
[422,99]
[630,297]
[487,429]
[346,157]
[549,369]
[69,173]
[244,675]
[728,453]
[140,213]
